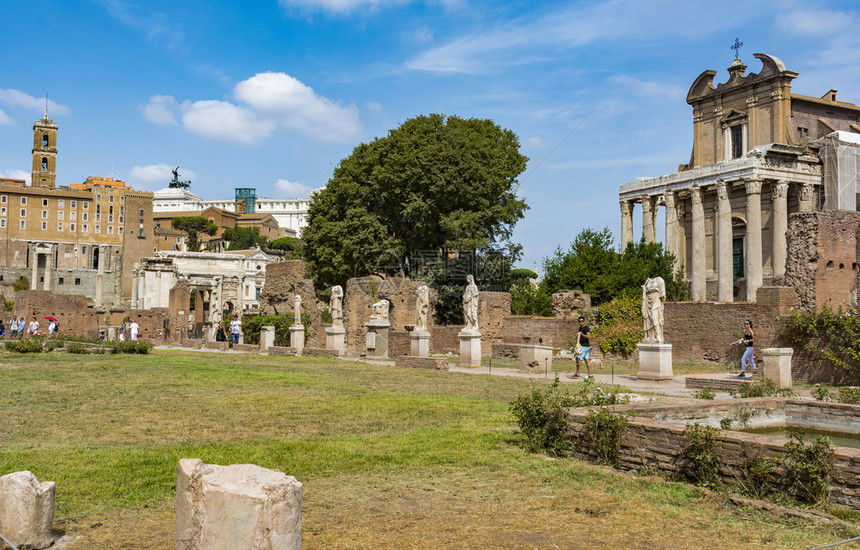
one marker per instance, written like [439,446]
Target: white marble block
[297,338]
[335,338]
[470,348]
[777,365]
[27,510]
[267,337]
[419,343]
[534,357]
[236,507]
[655,362]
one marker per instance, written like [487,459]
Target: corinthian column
[34,261]
[806,198]
[669,198]
[49,259]
[780,226]
[626,223]
[754,256]
[724,244]
[697,275]
[648,232]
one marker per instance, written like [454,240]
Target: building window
[4,198]
[44,213]
[84,229]
[122,200]
[98,198]
[44,164]
[73,215]
[737,137]
[110,198]
[120,219]
[98,217]
[23,213]
[71,227]
[110,209]
[98,209]
[86,216]
[738,258]
[44,202]
[110,218]
[119,230]
[77,281]
[23,224]
[110,229]
[98,229]
[141,212]
[3,222]
[61,203]
[23,200]
[60,215]
[86,205]
[44,140]
[60,226]
[74,204]
[60,280]
[3,211]
[44,226]
[84,249]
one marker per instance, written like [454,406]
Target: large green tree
[291,246]
[193,226]
[433,185]
[244,238]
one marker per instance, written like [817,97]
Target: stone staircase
[722,381]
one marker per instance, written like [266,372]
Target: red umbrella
[51,319]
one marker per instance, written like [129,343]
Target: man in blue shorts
[582,337]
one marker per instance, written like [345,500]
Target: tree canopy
[193,226]
[594,266]
[291,246]
[434,184]
[244,238]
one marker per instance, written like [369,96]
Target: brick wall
[548,331]
[150,321]
[703,331]
[75,314]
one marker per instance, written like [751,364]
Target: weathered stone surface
[285,280]
[242,506]
[26,510]
[570,303]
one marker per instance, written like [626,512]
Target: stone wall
[570,303]
[283,281]
[75,314]
[399,343]
[151,322]
[445,340]
[822,258]
[493,308]
[548,331]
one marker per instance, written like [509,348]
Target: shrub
[129,347]
[542,419]
[75,347]
[25,346]
[619,325]
[606,429]
[528,299]
[591,394]
[705,393]
[9,305]
[830,335]
[849,395]
[251,325]
[755,481]
[821,393]
[23,283]
[763,388]
[703,450]
[809,463]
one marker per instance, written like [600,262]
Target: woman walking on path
[749,356]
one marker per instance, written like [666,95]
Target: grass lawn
[389,457]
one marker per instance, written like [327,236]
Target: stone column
[724,244]
[134,288]
[780,226]
[34,260]
[46,280]
[697,273]
[648,232]
[807,198]
[100,279]
[141,290]
[626,223]
[754,254]
[672,243]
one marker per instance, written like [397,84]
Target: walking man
[582,339]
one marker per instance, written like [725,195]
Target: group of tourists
[18,328]
[130,329]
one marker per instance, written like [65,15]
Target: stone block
[335,339]
[377,338]
[470,348]
[419,343]
[655,361]
[777,365]
[534,357]
[267,337]
[297,338]
[242,506]
[27,510]
[437,363]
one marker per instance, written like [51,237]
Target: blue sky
[273,94]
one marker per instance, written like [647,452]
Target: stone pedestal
[777,365]
[377,338]
[335,338]
[111,334]
[537,358]
[26,510]
[267,337]
[655,362]
[297,338]
[240,506]
[420,343]
[470,348]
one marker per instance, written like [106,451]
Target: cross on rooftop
[736,47]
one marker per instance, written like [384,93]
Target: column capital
[753,186]
[646,203]
[696,194]
[806,191]
[669,199]
[625,206]
[722,190]
[779,190]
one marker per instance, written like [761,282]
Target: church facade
[759,154]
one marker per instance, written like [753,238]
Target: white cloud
[535,142]
[292,190]
[643,87]
[161,110]
[5,120]
[296,106]
[17,98]
[155,26]
[16,174]
[157,175]
[823,23]
[339,6]
[269,99]
[373,106]
[225,121]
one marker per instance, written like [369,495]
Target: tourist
[235,329]
[133,328]
[52,328]
[2,329]
[34,327]
[749,355]
[13,328]
[582,341]
[21,327]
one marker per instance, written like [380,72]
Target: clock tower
[44,153]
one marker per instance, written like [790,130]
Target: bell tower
[44,153]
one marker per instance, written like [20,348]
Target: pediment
[734,116]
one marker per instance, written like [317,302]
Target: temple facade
[759,154]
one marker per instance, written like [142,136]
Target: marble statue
[297,310]
[422,306]
[470,304]
[380,310]
[335,306]
[653,296]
